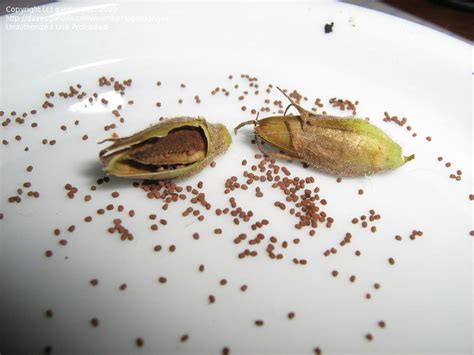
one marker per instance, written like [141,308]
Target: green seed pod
[338,146]
[175,148]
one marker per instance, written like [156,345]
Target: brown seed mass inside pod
[183,145]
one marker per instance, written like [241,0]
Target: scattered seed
[139,342]
[162,280]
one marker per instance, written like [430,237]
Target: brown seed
[184,338]
[115,194]
[352,278]
[223,282]
[369,337]
[29,168]
[243,288]
[123,287]
[94,322]
[218,231]
[391,261]
[334,273]
[94,282]
[259,322]
[361,192]
[172,248]
[357,253]
[317,351]
[225,351]
[162,280]
[381,324]
[48,253]
[85,137]
[376,286]
[49,313]
[212,299]
[196,236]
[201,268]
[291,315]
[139,342]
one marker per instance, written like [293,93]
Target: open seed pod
[177,147]
[342,146]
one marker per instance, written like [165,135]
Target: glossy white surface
[385,63]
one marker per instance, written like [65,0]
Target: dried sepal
[175,148]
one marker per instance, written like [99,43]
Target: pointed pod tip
[408,158]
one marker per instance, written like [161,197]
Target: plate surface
[385,63]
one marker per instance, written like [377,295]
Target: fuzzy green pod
[339,146]
[175,148]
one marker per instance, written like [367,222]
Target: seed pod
[339,146]
[177,147]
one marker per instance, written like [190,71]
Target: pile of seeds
[299,198]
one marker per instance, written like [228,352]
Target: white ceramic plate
[386,63]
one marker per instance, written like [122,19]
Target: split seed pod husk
[342,146]
[175,148]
